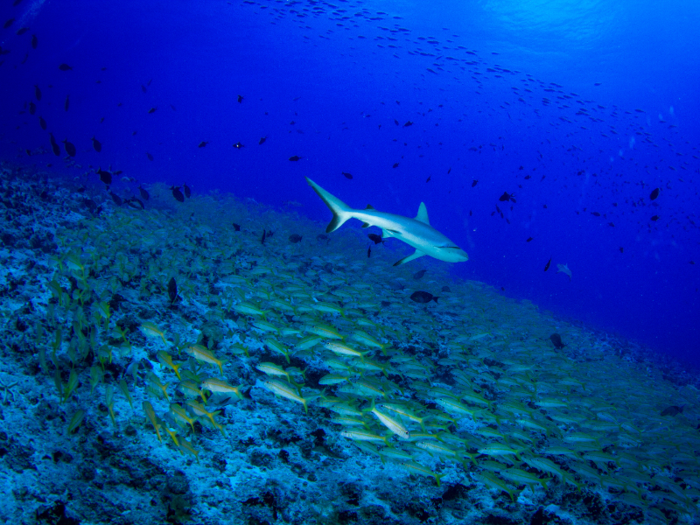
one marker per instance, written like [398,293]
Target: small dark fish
[446,289]
[143,88]
[507,197]
[35,41]
[65,67]
[654,194]
[187,190]
[21,31]
[419,274]
[622,249]
[295,158]
[408,123]
[150,157]
[135,203]
[376,239]
[32,108]
[42,123]
[105,176]
[70,148]
[396,122]
[474,182]
[172,290]
[369,251]
[179,197]
[67,103]
[152,110]
[595,214]
[236,227]
[116,198]
[9,23]
[144,194]
[37,92]
[673,410]
[203,143]
[428,179]
[264,236]
[655,218]
[556,341]
[97,146]
[262,140]
[240,98]
[347,175]
[294,238]
[528,239]
[54,145]
[238,145]
[423,297]
[546,266]
[396,165]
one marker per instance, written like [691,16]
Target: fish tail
[341,211]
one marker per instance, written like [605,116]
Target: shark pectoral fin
[366,225]
[422,214]
[409,258]
[388,233]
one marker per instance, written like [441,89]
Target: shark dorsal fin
[369,207]
[422,214]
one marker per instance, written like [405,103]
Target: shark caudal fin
[341,211]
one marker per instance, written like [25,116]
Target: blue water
[326,81]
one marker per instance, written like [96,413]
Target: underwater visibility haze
[350,261]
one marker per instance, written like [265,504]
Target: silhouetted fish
[65,67]
[294,158]
[423,297]
[177,193]
[54,146]
[396,165]
[474,182]
[172,290]
[116,198]
[672,410]
[42,123]
[8,23]
[21,31]
[240,98]
[187,190]
[556,341]
[507,197]
[655,218]
[419,274]
[96,145]
[152,110]
[32,108]
[35,41]
[105,176]
[236,227]
[135,203]
[37,92]
[376,239]
[294,238]
[203,143]
[238,145]
[70,148]
[654,193]
[546,266]
[150,157]
[528,239]
[144,194]
[262,140]
[347,175]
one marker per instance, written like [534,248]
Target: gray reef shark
[417,232]
[564,268]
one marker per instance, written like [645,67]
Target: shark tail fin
[341,211]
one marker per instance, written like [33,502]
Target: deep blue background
[326,81]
